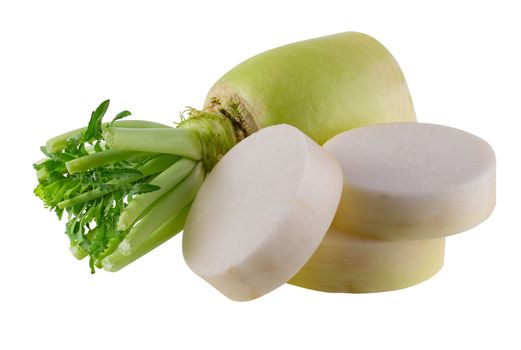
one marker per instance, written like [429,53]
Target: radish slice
[262,212]
[413,181]
[347,263]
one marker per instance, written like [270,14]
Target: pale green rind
[322,86]
[346,263]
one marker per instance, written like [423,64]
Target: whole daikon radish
[322,86]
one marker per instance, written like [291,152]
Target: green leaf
[124,173]
[91,224]
[120,115]
[44,151]
[94,130]
[97,146]
[143,188]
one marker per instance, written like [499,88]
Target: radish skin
[262,212]
[348,263]
[322,86]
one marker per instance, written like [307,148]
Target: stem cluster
[127,186]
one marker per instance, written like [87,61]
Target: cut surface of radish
[413,180]
[352,264]
[262,212]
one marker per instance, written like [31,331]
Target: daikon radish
[347,263]
[322,86]
[262,212]
[413,181]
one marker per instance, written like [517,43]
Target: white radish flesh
[412,180]
[352,264]
[262,212]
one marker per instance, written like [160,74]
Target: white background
[59,59]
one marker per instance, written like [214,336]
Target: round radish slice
[413,180]
[262,212]
[352,264]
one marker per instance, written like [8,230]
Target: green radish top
[322,86]
[107,178]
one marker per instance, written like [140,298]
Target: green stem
[77,251]
[216,133]
[149,218]
[151,167]
[167,230]
[158,164]
[111,248]
[41,173]
[166,180]
[82,198]
[167,206]
[58,143]
[181,142]
[99,159]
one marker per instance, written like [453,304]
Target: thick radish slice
[262,212]
[352,264]
[413,181]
